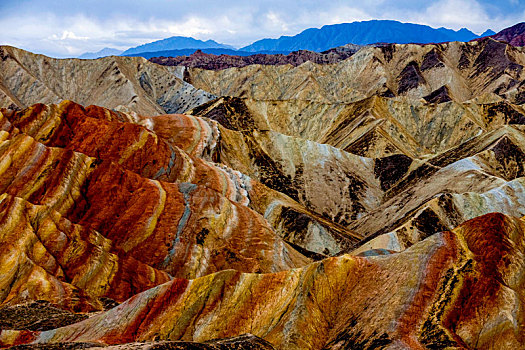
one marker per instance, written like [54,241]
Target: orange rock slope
[459,289]
[166,216]
[97,207]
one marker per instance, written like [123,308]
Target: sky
[65,28]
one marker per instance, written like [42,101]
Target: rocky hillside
[514,35]
[375,202]
[485,69]
[215,62]
[126,83]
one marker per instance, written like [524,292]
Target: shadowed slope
[514,35]
[175,149]
[379,194]
[374,127]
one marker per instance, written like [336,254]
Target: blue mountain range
[176,43]
[361,33]
[313,39]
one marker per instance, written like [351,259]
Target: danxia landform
[363,197]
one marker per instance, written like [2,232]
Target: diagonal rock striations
[462,71]
[447,291]
[369,203]
[129,83]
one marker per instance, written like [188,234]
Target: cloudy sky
[65,28]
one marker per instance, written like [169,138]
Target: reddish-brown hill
[514,35]
[200,59]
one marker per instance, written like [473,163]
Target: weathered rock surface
[514,35]
[242,342]
[129,83]
[180,150]
[345,205]
[76,228]
[448,291]
[466,70]
[200,59]
[374,127]
[426,152]
[36,316]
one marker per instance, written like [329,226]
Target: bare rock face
[200,59]
[456,298]
[514,35]
[37,316]
[437,72]
[242,342]
[413,157]
[111,222]
[129,83]
[376,202]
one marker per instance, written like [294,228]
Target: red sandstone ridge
[158,214]
[459,289]
[377,202]
[94,207]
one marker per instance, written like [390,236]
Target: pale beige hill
[449,71]
[445,210]
[480,176]
[373,127]
[372,196]
[129,83]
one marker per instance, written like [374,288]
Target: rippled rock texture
[457,289]
[437,73]
[126,83]
[376,202]
[203,231]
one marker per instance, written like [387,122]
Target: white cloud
[457,14]
[275,21]
[68,35]
[63,28]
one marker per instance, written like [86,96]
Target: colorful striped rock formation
[457,289]
[421,168]
[121,217]
[375,202]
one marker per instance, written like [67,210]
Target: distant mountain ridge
[312,39]
[107,51]
[200,59]
[176,43]
[361,33]
[213,51]
[488,32]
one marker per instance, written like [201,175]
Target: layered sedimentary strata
[374,127]
[200,59]
[449,71]
[179,150]
[345,205]
[414,158]
[129,83]
[77,228]
[447,291]
[514,35]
